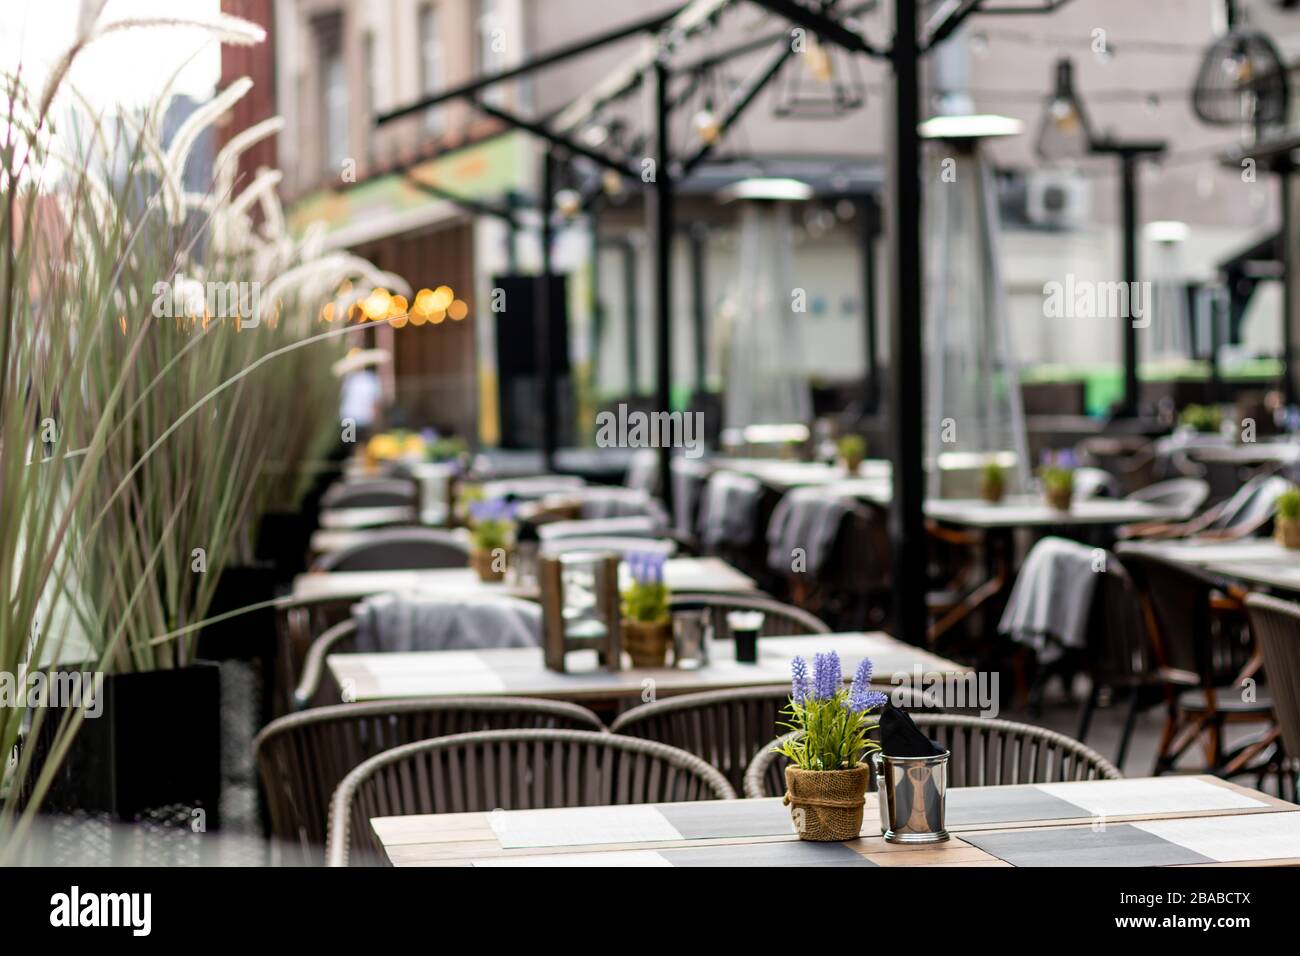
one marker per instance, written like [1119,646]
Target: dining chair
[1131,459]
[1186,494]
[1200,645]
[302,758]
[371,493]
[510,770]
[985,753]
[1243,514]
[779,620]
[1276,626]
[417,622]
[399,549]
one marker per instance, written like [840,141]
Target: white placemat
[581,826]
[618,858]
[1117,798]
[1231,838]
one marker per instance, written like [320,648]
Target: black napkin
[900,737]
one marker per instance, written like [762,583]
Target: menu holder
[580,607]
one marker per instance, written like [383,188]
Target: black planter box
[283,540]
[153,754]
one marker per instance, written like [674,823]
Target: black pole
[907,515]
[661,208]
[546,360]
[869,225]
[1129,214]
[632,343]
[699,309]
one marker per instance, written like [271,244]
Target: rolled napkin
[900,737]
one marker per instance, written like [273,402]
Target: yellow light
[397,305]
[424,302]
[397,321]
[442,297]
[437,317]
[417,317]
[375,305]
[327,312]
[458,310]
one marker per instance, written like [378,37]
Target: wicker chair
[779,620]
[399,549]
[723,728]
[1200,645]
[1276,625]
[303,757]
[380,493]
[511,770]
[985,753]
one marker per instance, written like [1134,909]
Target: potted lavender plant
[647,623]
[1057,475]
[492,529]
[827,781]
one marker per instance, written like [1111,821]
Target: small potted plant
[1201,419]
[1287,524]
[491,528]
[993,483]
[852,450]
[647,623]
[1058,482]
[827,780]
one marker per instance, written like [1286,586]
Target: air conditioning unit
[1055,198]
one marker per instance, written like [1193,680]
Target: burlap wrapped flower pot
[826,805]
[647,642]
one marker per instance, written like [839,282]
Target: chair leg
[1085,717]
[1130,722]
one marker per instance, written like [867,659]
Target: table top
[1032,511]
[1203,552]
[519,671]
[1246,453]
[684,575]
[782,474]
[329,540]
[1160,821]
[355,518]
[1285,577]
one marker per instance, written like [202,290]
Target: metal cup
[911,791]
[690,639]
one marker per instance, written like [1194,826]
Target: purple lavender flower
[828,676]
[799,680]
[492,509]
[647,567]
[861,696]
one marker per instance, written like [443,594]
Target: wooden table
[684,575]
[519,672]
[1162,821]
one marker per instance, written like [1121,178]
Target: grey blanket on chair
[729,510]
[420,622]
[808,519]
[1052,598]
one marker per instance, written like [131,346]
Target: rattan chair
[1202,653]
[779,620]
[303,757]
[723,728]
[985,753]
[1276,626]
[379,493]
[399,549]
[510,770]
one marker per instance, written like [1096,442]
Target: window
[431,65]
[334,95]
[491,46]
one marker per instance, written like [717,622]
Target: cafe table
[329,540]
[1164,821]
[1256,562]
[520,671]
[782,475]
[684,575]
[1031,511]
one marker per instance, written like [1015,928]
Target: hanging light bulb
[568,202]
[1064,133]
[707,126]
[611,182]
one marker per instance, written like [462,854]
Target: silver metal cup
[911,791]
[691,639]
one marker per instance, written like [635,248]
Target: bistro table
[1259,562]
[1159,821]
[519,671]
[783,475]
[1031,511]
[329,540]
[684,575]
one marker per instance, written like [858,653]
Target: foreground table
[1162,821]
[519,671]
[683,575]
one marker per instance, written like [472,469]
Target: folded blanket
[1052,598]
[729,509]
[425,622]
[806,518]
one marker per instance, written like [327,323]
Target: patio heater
[767,382]
[1066,134]
[973,402]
